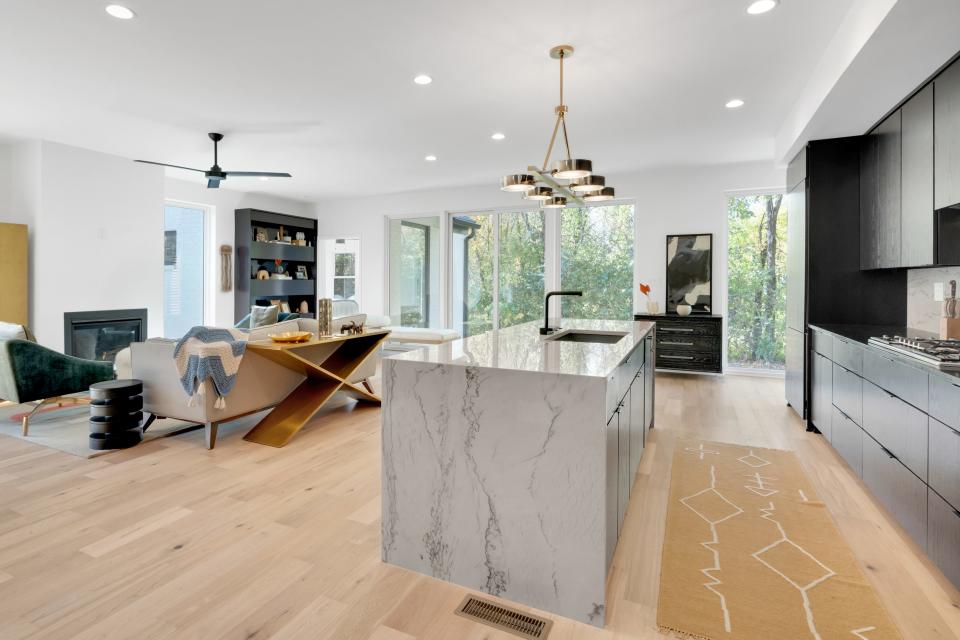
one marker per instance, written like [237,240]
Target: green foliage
[756,271]
[596,249]
[596,256]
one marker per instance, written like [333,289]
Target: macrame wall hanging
[226,267]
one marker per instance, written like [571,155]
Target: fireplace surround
[99,335]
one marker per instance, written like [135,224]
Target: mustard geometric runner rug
[751,552]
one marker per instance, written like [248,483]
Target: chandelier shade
[556,202]
[604,194]
[539,193]
[518,182]
[589,184]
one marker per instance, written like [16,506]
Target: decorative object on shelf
[351,328]
[689,272]
[582,186]
[325,316]
[950,320]
[652,305]
[261,237]
[215,175]
[300,239]
[291,336]
[281,265]
[301,272]
[304,307]
[285,307]
[263,274]
[226,267]
[684,309]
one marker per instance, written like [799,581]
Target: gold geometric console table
[327,364]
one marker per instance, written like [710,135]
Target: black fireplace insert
[99,335]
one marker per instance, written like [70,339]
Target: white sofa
[261,383]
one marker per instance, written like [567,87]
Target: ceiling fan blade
[258,174]
[213,183]
[173,166]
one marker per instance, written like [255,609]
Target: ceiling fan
[216,175]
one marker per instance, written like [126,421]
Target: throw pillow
[10,331]
[263,316]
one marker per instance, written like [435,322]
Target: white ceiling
[324,89]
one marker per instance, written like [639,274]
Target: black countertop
[862,332]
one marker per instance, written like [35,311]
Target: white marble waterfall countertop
[522,348]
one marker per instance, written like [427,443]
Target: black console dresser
[691,343]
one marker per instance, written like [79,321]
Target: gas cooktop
[943,354]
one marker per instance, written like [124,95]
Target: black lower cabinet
[847,439]
[943,536]
[691,343]
[903,494]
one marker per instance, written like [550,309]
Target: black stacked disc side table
[116,410]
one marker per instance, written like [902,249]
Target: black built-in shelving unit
[251,255]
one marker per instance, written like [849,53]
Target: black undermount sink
[599,337]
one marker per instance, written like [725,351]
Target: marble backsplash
[923,312]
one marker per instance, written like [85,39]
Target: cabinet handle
[676,330]
[676,357]
[678,344]
[889,453]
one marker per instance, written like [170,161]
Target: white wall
[671,200]
[96,231]
[222,203]
[97,239]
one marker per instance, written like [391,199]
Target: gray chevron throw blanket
[209,353]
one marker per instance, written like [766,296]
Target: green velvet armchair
[30,373]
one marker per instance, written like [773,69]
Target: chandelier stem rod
[561,78]
[553,138]
[566,140]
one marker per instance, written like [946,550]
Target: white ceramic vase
[683,309]
[653,307]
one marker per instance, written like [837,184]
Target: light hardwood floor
[170,540]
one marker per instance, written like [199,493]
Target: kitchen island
[508,459]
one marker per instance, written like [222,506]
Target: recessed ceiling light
[430,158]
[423,79]
[119,11]
[736,103]
[498,136]
[264,178]
[761,6]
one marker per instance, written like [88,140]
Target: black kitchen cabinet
[880,193]
[821,386]
[916,227]
[946,140]
[890,190]
[870,201]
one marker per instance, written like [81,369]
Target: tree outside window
[756,290]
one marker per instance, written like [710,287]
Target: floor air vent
[503,618]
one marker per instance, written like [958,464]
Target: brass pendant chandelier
[542,184]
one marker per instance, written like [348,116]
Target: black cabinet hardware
[676,330]
[677,357]
[678,344]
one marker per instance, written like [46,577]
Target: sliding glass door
[414,271]
[497,269]
[183,268]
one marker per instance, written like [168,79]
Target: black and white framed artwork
[690,272]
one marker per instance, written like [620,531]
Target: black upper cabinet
[916,228]
[870,201]
[946,108]
[890,191]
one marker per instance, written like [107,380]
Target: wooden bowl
[291,336]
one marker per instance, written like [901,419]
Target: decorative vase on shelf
[683,309]
[653,307]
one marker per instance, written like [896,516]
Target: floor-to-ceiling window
[183,268]
[414,271]
[596,257]
[756,273]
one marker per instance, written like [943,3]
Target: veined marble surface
[497,464]
[522,348]
[923,312]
